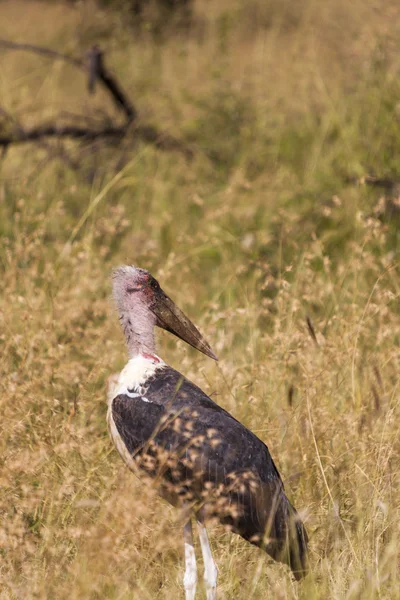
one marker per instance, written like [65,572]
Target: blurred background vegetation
[266,237]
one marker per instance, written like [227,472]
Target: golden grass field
[282,102]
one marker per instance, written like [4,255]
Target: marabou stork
[203,460]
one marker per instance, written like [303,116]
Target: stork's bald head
[139,295]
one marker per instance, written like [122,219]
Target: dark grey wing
[238,448]
[136,420]
[205,457]
[160,440]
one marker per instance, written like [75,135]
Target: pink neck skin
[139,332]
[152,357]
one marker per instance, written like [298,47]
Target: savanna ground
[283,102]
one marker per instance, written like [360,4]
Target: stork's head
[139,296]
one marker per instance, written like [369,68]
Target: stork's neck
[139,333]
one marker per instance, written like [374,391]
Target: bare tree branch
[43,51]
[145,133]
[97,70]
[94,57]
[87,132]
[57,131]
[387,184]
[162,140]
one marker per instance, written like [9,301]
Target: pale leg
[210,568]
[190,577]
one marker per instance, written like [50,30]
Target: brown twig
[162,140]
[382,182]
[290,395]
[311,330]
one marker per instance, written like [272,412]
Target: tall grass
[291,273]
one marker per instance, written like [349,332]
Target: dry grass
[253,237]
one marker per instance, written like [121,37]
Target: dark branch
[145,133]
[388,184]
[161,140]
[43,51]
[57,131]
[97,70]
[94,64]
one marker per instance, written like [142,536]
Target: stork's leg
[190,577]
[210,568]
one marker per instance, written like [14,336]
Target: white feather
[134,376]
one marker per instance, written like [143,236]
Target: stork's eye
[134,289]
[154,284]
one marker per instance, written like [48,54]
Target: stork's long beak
[171,318]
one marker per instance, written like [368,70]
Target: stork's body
[202,459]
